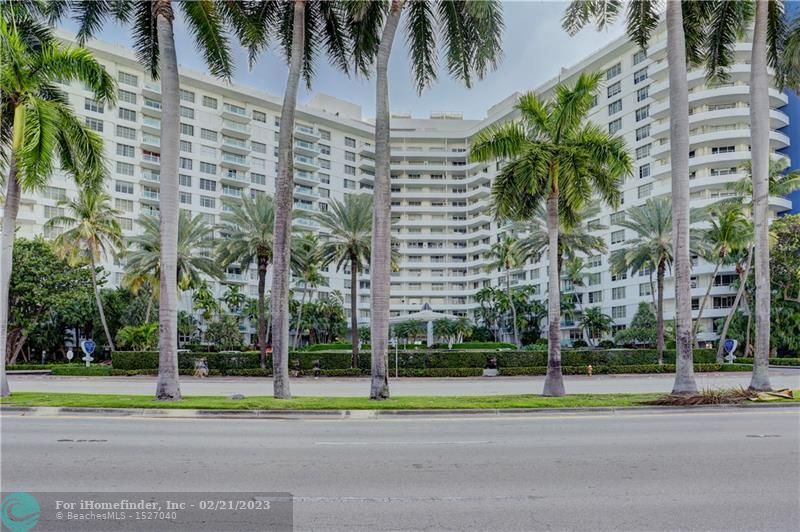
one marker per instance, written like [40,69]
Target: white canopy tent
[427,315]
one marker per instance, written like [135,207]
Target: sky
[535,49]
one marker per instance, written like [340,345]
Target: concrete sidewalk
[344,387]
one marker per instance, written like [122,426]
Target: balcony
[150,159]
[306,133]
[306,178]
[236,129]
[150,195]
[234,176]
[367,150]
[301,162]
[151,88]
[303,147]
[151,176]
[150,141]
[236,145]
[306,192]
[306,207]
[151,107]
[367,164]
[235,112]
[233,160]
[151,124]
[232,192]
[306,222]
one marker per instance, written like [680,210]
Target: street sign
[88,346]
[730,345]
[70,355]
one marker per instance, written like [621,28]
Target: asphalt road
[781,378]
[705,470]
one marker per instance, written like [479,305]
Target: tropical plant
[39,129]
[92,233]
[642,329]
[234,298]
[308,254]
[349,224]
[595,323]
[445,330]
[142,337]
[205,300]
[409,330]
[506,255]
[224,333]
[488,311]
[187,326]
[471,34]
[463,329]
[556,156]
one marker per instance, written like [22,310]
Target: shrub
[224,332]
[330,347]
[606,344]
[579,343]
[138,337]
[81,370]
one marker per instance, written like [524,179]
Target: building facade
[440,199]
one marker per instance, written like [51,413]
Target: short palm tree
[39,129]
[488,311]
[93,232]
[247,238]
[307,255]
[234,298]
[506,255]
[595,323]
[204,300]
[555,156]
[349,228]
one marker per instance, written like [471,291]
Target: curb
[189,413]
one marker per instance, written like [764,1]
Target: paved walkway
[781,378]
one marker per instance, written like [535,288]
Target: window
[259,116]
[93,105]
[614,71]
[594,261]
[128,79]
[95,124]
[126,224]
[640,76]
[187,112]
[614,89]
[643,93]
[618,217]
[642,132]
[593,225]
[127,114]
[186,164]
[123,204]
[618,237]
[715,172]
[258,164]
[324,178]
[614,126]
[642,113]
[594,102]
[208,151]
[618,293]
[350,142]
[349,170]
[208,168]
[614,107]
[723,301]
[208,184]
[350,156]
[695,303]
[723,149]
[258,147]
[124,168]
[325,135]
[324,163]
[619,276]
[645,289]
[643,151]
[210,102]
[639,56]
[593,279]
[349,183]
[186,146]
[185,198]
[125,151]
[186,96]
[324,149]
[207,202]
[644,171]
[185,180]
[258,179]
[618,312]
[595,297]
[123,187]
[207,134]
[126,132]
[644,190]
[187,129]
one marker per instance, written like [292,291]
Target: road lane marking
[372,443]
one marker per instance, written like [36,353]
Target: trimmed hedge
[615,370]
[772,361]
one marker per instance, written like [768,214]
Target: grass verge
[333,403]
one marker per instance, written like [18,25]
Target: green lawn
[331,403]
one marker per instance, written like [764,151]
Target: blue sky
[536,48]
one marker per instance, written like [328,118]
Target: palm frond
[421,41]
[206,24]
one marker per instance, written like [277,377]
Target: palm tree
[471,34]
[573,272]
[594,322]
[94,233]
[554,156]
[154,42]
[686,40]
[234,298]
[651,249]
[308,253]
[506,255]
[39,129]
[205,300]
[349,225]
[488,311]
[729,231]
[247,237]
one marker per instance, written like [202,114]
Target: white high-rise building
[440,199]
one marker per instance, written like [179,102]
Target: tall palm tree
[39,129]
[595,322]
[729,231]
[651,249]
[154,42]
[554,156]
[507,256]
[308,253]
[349,224]
[686,39]
[470,33]
[247,238]
[94,233]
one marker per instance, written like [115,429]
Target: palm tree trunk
[732,313]
[759,124]
[300,316]
[660,312]
[679,159]
[262,329]
[381,251]
[13,195]
[354,311]
[149,307]
[747,349]
[513,308]
[100,305]
[554,380]
[284,186]
[168,386]
[703,303]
